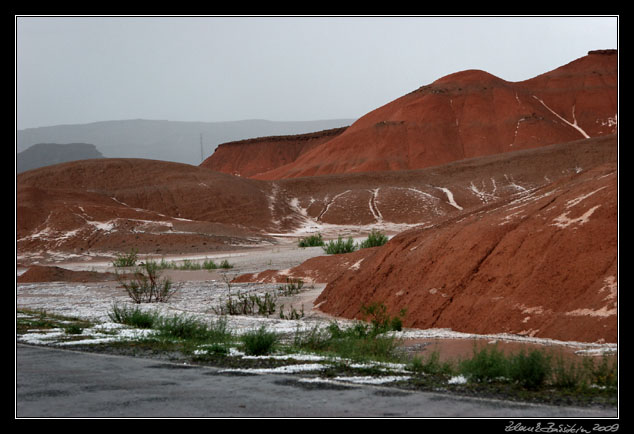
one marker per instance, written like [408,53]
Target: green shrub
[340,246]
[259,342]
[132,316]
[603,373]
[380,319]
[311,241]
[531,370]
[485,365]
[356,342]
[209,264]
[292,287]
[126,259]
[225,264]
[190,328]
[73,329]
[432,365]
[375,239]
[146,286]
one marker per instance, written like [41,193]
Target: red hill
[542,263]
[463,115]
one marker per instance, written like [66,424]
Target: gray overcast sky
[72,70]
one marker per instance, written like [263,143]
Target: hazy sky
[84,69]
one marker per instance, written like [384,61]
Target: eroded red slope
[468,114]
[542,264]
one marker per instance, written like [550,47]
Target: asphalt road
[57,383]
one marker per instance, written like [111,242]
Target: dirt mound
[154,206]
[41,273]
[254,156]
[469,114]
[541,263]
[321,269]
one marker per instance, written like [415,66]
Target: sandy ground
[201,292]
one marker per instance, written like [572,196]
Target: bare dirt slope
[98,207]
[464,115]
[118,204]
[254,156]
[542,263]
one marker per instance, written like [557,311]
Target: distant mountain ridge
[46,154]
[175,141]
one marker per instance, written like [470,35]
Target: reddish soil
[42,273]
[463,115]
[516,211]
[253,156]
[322,269]
[101,207]
[542,264]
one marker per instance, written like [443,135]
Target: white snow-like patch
[611,286]
[357,264]
[289,369]
[511,182]
[460,379]
[482,194]
[576,201]
[563,221]
[374,209]
[572,124]
[372,380]
[330,202]
[450,198]
[605,311]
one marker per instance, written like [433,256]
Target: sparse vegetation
[259,342]
[145,284]
[311,241]
[379,318]
[292,287]
[248,304]
[375,239]
[293,313]
[340,246]
[132,316]
[531,375]
[190,265]
[126,259]
[357,342]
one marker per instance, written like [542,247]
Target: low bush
[431,365]
[530,369]
[126,259]
[146,286]
[340,246]
[292,287]
[356,342]
[311,241]
[248,304]
[486,364]
[379,318]
[375,239]
[132,316]
[259,342]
